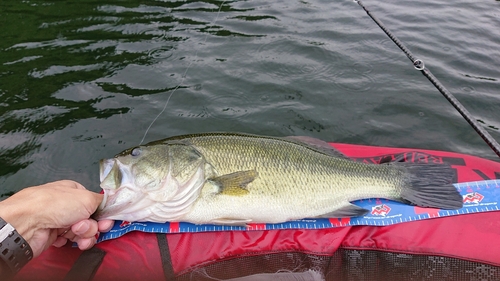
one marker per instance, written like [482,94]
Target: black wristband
[14,250]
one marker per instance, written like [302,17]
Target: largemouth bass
[236,179]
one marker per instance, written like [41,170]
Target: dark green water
[82,80]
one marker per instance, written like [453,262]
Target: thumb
[96,200]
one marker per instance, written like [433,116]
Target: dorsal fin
[317,144]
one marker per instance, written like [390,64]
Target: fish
[238,179]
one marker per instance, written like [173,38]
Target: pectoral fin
[348,210]
[235,183]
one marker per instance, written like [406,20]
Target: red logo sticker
[125,224]
[473,197]
[381,210]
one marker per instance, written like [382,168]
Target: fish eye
[136,152]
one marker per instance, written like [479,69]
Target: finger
[85,228]
[62,231]
[97,199]
[60,241]
[66,234]
[105,225]
[86,243]
[79,185]
[66,184]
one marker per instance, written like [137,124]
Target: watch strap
[14,250]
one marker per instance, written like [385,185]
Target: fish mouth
[124,204]
[105,166]
[120,196]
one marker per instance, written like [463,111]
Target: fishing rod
[419,65]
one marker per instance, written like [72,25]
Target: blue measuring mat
[480,196]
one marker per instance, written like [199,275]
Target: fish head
[150,182]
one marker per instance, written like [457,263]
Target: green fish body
[235,179]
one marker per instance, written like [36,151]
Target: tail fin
[430,185]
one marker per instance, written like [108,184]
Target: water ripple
[228,106]
[353,80]
[83,81]
[281,57]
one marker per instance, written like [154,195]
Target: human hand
[53,213]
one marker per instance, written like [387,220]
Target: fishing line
[419,65]
[183,76]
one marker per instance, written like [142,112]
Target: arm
[53,213]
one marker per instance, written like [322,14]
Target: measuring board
[479,196]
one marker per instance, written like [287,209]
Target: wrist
[15,251]
[18,213]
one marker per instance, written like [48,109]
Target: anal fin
[231,221]
[348,210]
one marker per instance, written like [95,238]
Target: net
[345,264]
